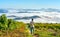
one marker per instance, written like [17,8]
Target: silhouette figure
[32,27]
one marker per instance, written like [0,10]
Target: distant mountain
[30,17]
[33,10]
[28,10]
[3,11]
[52,10]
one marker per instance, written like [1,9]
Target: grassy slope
[43,29]
[47,30]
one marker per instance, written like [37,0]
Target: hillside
[12,28]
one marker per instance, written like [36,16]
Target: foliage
[47,29]
[11,24]
[3,21]
[7,24]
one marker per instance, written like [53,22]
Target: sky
[30,4]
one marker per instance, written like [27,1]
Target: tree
[11,24]
[4,21]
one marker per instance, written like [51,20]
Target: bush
[6,24]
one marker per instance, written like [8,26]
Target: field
[47,29]
[41,29]
[12,28]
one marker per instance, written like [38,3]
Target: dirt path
[35,35]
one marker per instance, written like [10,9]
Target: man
[32,27]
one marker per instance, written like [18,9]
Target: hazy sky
[17,4]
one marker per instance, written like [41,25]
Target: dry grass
[14,33]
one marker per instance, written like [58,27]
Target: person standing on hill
[32,27]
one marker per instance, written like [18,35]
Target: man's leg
[31,30]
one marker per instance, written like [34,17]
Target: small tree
[11,24]
[4,21]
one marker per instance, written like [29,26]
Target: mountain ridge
[27,10]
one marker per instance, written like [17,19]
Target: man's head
[32,19]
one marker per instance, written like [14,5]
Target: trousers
[32,30]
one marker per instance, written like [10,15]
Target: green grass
[47,29]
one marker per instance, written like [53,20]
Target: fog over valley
[43,15]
